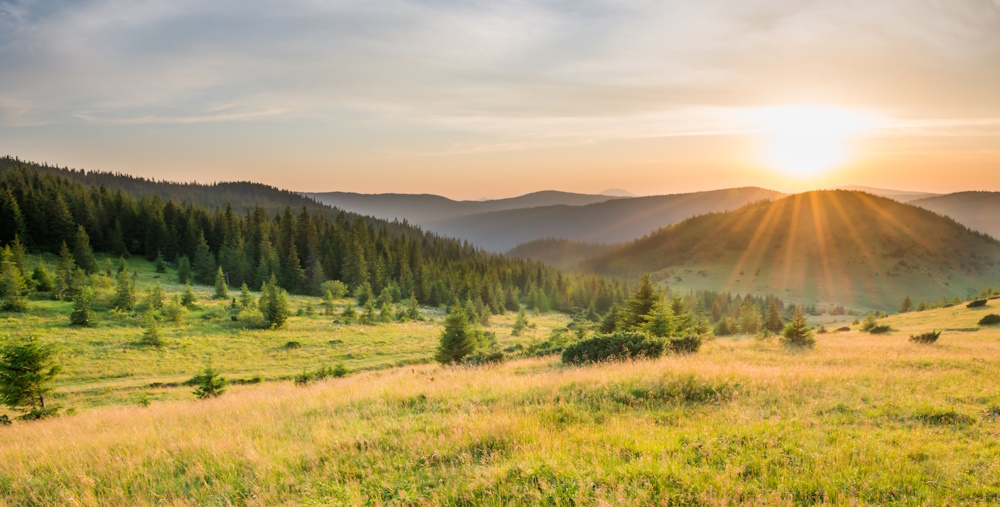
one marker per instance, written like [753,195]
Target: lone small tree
[797,333]
[457,340]
[907,304]
[156,296]
[221,289]
[188,298]
[151,333]
[246,299]
[13,288]
[209,384]
[26,369]
[82,314]
[273,304]
[125,291]
[520,323]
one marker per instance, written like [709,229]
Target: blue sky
[473,99]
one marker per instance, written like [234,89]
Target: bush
[686,345]
[883,329]
[843,329]
[621,345]
[484,357]
[979,303]
[990,320]
[926,338]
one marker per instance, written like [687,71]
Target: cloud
[518,68]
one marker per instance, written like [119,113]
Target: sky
[475,99]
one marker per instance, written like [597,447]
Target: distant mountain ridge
[424,209]
[839,246]
[899,195]
[977,210]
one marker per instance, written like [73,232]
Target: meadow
[859,420]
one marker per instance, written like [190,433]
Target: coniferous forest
[45,207]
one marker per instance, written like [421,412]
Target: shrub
[990,320]
[883,329]
[978,303]
[292,345]
[843,329]
[927,338]
[621,345]
[686,345]
[797,334]
[209,383]
[483,357]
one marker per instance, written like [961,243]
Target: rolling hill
[843,247]
[976,210]
[609,222]
[425,209]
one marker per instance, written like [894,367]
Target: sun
[808,141]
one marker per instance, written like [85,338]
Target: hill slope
[424,209]
[846,247]
[611,221]
[976,210]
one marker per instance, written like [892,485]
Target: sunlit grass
[862,419]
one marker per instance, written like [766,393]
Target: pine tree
[188,299]
[82,314]
[456,339]
[413,308]
[161,265]
[64,274]
[26,371]
[156,296]
[203,264]
[274,304]
[328,306]
[750,321]
[520,323]
[13,288]
[183,269]
[82,252]
[609,323]
[907,304]
[349,314]
[151,333]
[797,333]
[210,383]
[20,257]
[660,322]
[246,299]
[639,305]
[42,278]
[221,290]
[773,321]
[125,292]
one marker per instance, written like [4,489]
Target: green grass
[105,364]
[859,420]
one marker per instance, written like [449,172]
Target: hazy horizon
[492,100]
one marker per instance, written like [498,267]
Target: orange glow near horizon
[807,142]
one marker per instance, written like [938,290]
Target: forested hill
[241,195]
[852,248]
[44,208]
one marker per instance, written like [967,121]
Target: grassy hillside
[841,247]
[107,365]
[860,420]
[424,209]
[609,222]
[977,210]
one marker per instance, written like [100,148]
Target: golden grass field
[860,420]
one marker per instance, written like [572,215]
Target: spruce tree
[520,323]
[42,278]
[83,253]
[274,304]
[125,292]
[64,273]
[156,296]
[797,333]
[161,265]
[772,319]
[456,340]
[349,314]
[188,299]
[221,290]
[907,304]
[82,315]
[151,332]
[13,288]
[203,264]
[183,269]
[639,305]
[413,308]
[209,384]
[26,370]
[246,299]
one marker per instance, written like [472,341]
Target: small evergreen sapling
[797,333]
[209,384]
